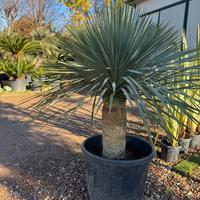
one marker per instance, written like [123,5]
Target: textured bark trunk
[114,130]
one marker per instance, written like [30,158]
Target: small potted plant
[15,55]
[17,71]
[170,149]
[176,122]
[121,59]
[182,127]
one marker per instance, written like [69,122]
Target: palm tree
[16,61]
[123,58]
[18,46]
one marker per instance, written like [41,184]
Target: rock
[7,88]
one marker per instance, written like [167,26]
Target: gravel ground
[61,176]
[37,164]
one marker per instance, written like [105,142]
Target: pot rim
[169,146]
[18,79]
[198,135]
[185,139]
[165,142]
[117,162]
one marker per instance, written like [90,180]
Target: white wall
[150,5]
[175,16]
[194,19]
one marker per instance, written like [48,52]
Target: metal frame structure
[186,15]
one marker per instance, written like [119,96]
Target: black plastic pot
[169,153]
[185,144]
[116,179]
[5,83]
[4,80]
[195,142]
[18,85]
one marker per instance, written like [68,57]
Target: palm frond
[18,46]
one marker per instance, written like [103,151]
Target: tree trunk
[114,130]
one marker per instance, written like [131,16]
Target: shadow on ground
[40,162]
[35,164]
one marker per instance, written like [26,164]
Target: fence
[184,15]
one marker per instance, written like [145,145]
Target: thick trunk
[114,130]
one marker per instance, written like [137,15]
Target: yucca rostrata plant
[122,58]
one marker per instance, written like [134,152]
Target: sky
[65,17]
[62,13]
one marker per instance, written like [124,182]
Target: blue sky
[61,11]
[64,12]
